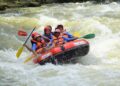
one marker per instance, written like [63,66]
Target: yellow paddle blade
[76,34]
[28,59]
[19,51]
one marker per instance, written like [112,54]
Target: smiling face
[57,34]
[60,27]
[38,38]
[47,30]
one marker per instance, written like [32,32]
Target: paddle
[88,36]
[21,48]
[76,34]
[28,59]
[22,33]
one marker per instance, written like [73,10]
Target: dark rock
[2,8]
[28,4]
[32,4]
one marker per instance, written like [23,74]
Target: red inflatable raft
[64,54]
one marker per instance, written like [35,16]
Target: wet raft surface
[69,56]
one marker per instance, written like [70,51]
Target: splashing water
[101,67]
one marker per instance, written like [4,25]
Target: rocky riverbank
[4,4]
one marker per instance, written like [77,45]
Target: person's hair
[49,27]
[60,26]
[56,28]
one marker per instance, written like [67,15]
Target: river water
[101,67]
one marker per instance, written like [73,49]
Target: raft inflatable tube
[64,54]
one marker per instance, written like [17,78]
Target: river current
[101,67]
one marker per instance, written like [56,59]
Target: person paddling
[64,32]
[58,39]
[38,44]
[48,33]
[67,36]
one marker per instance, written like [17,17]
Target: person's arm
[50,42]
[46,38]
[69,39]
[28,47]
[69,35]
[33,48]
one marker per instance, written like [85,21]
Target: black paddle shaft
[29,36]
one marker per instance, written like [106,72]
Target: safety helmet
[35,35]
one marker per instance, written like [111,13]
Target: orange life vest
[64,35]
[58,41]
[40,44]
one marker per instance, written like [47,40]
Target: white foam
[95,69]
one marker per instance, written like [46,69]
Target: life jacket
[50,36]
[40,44]
[58,41]
[67,35]
[64,34]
